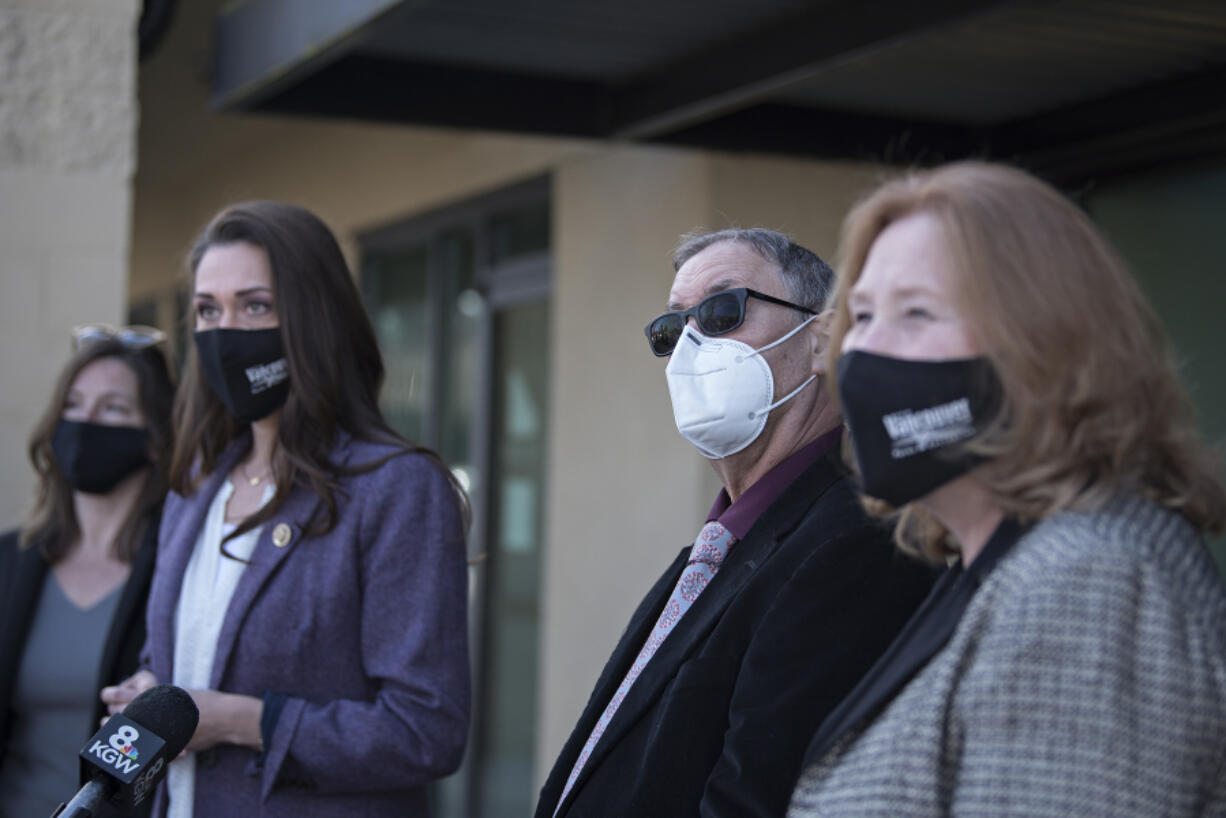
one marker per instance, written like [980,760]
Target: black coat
[718,722]
[23,575]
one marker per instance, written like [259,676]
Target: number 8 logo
[124,737]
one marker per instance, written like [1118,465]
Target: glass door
[507,732]
[459,301]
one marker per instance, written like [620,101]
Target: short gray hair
[809,279]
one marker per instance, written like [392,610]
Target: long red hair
[1092,402]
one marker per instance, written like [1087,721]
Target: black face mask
[246,368]
[908,420]
[95,457]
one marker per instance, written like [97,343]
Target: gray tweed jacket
[1087,677]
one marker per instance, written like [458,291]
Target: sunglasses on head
[131,337]
[716,314]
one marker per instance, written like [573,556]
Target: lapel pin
[281,535]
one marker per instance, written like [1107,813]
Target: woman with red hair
[1010,394]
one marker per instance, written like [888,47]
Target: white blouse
[204,598]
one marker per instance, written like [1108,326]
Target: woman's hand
[226,718]
[116,698]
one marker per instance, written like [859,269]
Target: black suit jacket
[23,574]
[718,722]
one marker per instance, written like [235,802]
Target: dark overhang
[1070,88]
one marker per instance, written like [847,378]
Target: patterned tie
[705,558]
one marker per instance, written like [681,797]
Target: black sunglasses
[716,314]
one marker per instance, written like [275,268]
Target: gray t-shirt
[53,702]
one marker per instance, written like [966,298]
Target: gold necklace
[254,481]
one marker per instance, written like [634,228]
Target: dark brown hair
[53,525]
[335,368]
[1093,403]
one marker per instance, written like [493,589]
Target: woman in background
[73,582]
[310,591]
[1010,391]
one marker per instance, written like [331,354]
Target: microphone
[126,759]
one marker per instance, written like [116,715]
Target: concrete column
[67,145]
[624,489]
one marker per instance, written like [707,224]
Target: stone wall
[68,118]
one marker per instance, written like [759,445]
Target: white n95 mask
[721,391]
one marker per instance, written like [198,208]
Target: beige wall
[67,130]
[624,488]
[355,177]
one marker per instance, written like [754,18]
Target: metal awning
[1070,88]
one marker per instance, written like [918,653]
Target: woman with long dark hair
[311,588]
[74,579]
[1010,393]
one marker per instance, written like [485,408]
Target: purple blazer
[364,628]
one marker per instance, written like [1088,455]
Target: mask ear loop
[780,340]
[777,342]
[784,399]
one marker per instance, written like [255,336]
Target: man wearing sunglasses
[789,593]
